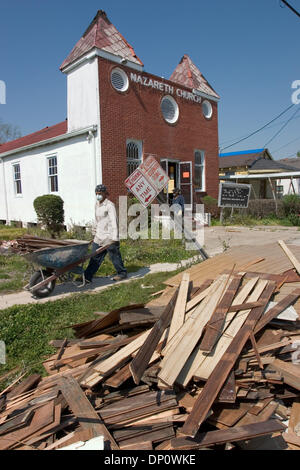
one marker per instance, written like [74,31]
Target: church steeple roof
[102,34]
[187,74]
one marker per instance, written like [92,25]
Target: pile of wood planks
[29,243]
[212,362]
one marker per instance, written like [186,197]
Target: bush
[261,208]
[211,206]
[50,212]
[291,204]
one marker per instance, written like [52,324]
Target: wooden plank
[16,422]
[42,417]
[222,436]
[141,360]
[145,445]
[199,362]
[207,363]
[83,410]
[290,255]
[229,415]
[223,368]
[244,306]
[277,309]
[260,406]
[101,323]
[228,391]
[119,377]
[269,347]
[177,356]
[290,372]
[216,322]
[155,436]
[191,315]
[104,368]
[180,306]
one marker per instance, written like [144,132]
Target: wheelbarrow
[58,263]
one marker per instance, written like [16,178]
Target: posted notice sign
[234,195]
[147,181]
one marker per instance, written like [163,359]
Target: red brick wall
[136,114]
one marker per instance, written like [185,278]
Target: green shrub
[50,212]
[261,208]
[211,206]
[291,204]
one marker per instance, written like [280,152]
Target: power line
[244,135]
[291,8]
[285,145]
[258,130]
[282,127]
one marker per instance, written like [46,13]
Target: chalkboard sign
[234,195]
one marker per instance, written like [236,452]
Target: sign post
[233,195]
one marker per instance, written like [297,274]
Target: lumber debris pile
[29,243]
[213,362]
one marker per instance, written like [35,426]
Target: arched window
[134,155]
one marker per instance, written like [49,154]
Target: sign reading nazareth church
[164,87]
[234,195]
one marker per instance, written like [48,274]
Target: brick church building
[118,114]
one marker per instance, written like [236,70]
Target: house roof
[242,159]
[295,162]
[102,34]
[43,134]
[188,75]
[264,164]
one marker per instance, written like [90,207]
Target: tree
[298,154]
[8,132]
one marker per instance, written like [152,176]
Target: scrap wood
[88,328]
[140,362]
[83,410]
[104,368]
[228,391]
[290,372]
[189,335]
[201,364]
[277,309]
[216,322]
[223,368]
[180,306]
[239,433]
[42,417]
[290,255]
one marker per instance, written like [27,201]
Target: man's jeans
[115,257]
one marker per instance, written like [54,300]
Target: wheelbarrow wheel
[43,291]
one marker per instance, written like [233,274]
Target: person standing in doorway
[106,232]
[178,199]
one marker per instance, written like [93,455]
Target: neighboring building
[257,167]
[290,186]
[118,114]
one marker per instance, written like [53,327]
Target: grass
[250,221]
[27,329]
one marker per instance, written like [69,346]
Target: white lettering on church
[165,87]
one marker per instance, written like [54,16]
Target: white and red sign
[147,181]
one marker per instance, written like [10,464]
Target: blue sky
[247,49]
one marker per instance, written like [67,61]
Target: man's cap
[100,188]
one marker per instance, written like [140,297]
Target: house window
[134,155]
[52,174]
[17,178]
[199,170]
